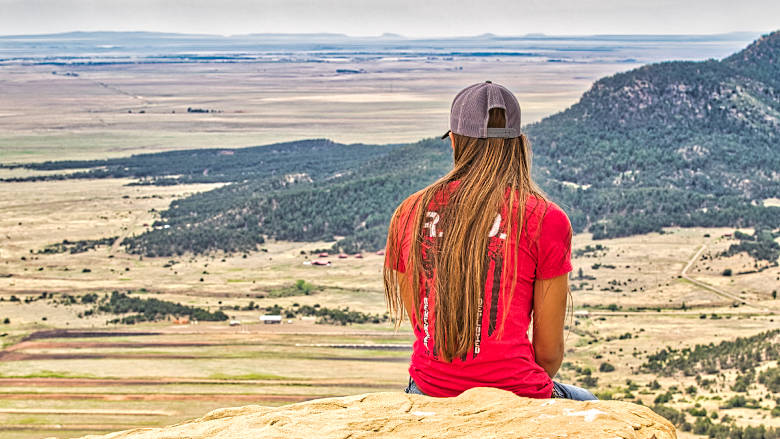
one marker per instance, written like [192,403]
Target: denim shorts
[412,388]
[569,391]
[560,390]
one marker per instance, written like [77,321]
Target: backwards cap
[471,108]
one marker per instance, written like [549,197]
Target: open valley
[156,264]
[65,373]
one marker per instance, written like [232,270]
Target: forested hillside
[674,143]
[277,164]
[668,144]
[355,204]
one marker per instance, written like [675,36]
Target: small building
[381,252]
[323,255]
[343,256]
[269,319]
[234,323]
[320,262]
[358,255]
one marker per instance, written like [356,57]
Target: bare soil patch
[156,397]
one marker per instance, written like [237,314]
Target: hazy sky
[416,18]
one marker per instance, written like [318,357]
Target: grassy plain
[135,108]
[107,377]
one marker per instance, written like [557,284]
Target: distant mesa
[350,71]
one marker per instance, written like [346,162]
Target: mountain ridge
[701,126]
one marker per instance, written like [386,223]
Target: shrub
[771,379]
[697,411]
[663,397]
[702,426]
[304,287]
[674,416]
[589,381]
[736,401]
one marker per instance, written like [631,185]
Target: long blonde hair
[485,168]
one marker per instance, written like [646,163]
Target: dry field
[99,113]
[100,377]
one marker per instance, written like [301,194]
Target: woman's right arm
[549,312]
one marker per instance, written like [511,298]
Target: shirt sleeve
[554,255]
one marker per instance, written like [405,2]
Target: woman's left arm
[549,313]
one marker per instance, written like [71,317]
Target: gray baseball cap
[470,110]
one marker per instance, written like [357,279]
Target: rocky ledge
[480,412]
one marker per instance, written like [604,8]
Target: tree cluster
[150,310]
[743,353]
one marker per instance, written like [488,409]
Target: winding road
[718,291]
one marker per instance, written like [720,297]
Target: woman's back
[471,257]
[501,357]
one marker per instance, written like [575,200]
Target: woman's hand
[549,312]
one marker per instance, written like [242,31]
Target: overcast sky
[414,18]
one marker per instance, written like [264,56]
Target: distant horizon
[373,18]
[395,34]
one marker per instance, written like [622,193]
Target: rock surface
[480,412]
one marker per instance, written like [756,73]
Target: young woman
[477,255]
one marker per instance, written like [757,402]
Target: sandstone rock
[477,413]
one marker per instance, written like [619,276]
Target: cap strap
[502,132]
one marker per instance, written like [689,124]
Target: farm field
[66,373]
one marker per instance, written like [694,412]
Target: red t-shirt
[507,363]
